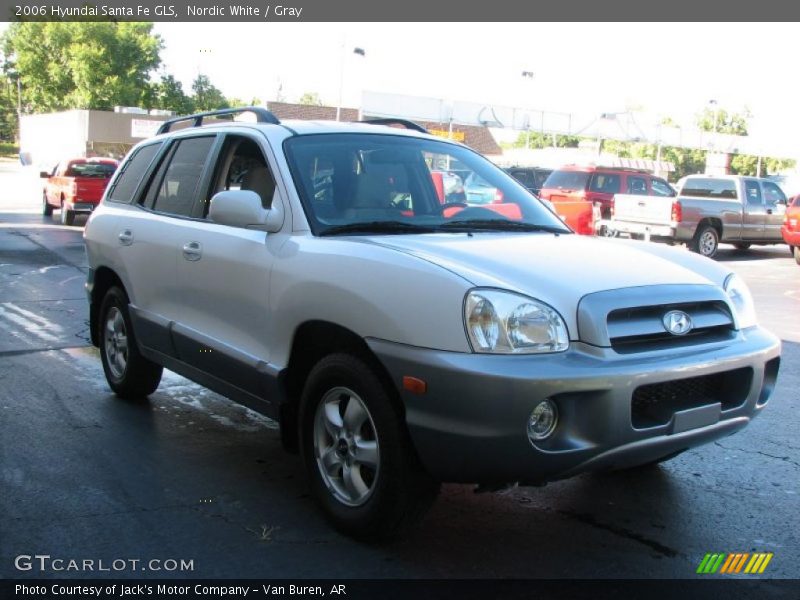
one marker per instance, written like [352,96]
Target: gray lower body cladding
[614,410]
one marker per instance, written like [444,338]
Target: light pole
[528,75]
[358,51]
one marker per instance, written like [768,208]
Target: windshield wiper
[378,227]
[498,225]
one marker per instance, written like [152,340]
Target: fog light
[543,420]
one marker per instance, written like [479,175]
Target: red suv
[791,227]
[598,185]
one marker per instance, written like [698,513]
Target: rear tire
[361,464]
[129,374]
[705,241]
[67,216]
[47,209]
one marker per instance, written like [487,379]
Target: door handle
[769,211]
[192,251]
[125,237]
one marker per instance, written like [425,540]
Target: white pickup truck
[708,210]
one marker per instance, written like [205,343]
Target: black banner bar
[480,589]
[408,10]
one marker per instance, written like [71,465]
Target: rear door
[602,188]
[755,212]
[775,204]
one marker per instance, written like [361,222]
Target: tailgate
[90,189]
[643,209]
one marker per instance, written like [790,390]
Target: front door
[754,212]
[775,203]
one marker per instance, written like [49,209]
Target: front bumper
[470,424]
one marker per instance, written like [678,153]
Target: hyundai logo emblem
[677,322]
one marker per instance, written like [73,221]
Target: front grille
[640,328]
[653,405]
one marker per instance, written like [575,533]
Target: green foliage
[94,65]
[168,94]
[8,109]
[535,139]
[206,96]
[9,150]
[732,123]
[310,99]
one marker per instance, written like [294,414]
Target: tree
[733,123]
[168,94]
[310,99]
[206,96]
[535,139]
[95,65]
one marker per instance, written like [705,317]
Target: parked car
[403,347]
[452,187]
[531,177]
[709,210]
[76,186]
[791,227]
[598,186]
[480,191]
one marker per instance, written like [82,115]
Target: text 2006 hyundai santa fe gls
[319,273]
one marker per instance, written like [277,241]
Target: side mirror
[242,208]
[44,174]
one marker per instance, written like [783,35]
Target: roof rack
[404,122]
[262,116]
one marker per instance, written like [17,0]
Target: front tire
[706,241]
[361,464]
[129,374]
[47,209]
[797,254]
[742,246]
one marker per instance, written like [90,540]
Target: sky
[665,69]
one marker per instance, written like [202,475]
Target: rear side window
[709,188]
[131,173]
[177,188]
[753,191]
[607,183]
[567,180]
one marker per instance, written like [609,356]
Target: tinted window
[606,183]
[526,178]
[660,187]
[637,185]
[772,193]
[753,191]
[177,189]
[91,169]
[796,201]
[567,180]
[131,173]
[709,188]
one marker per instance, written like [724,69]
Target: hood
[558,270]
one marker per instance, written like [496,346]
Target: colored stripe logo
[738,562]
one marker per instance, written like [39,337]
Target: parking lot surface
[186,475]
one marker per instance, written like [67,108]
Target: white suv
[317,273]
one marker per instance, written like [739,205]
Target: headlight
[506,323]
[744,308]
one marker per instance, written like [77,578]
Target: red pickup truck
[76,186]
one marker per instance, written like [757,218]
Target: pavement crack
[589,519]
[787,459]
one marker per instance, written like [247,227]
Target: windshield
[362,183]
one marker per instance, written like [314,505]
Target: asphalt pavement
[189,476]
